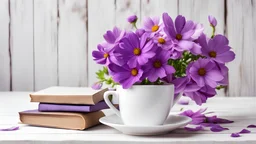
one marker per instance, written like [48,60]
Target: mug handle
[115,94]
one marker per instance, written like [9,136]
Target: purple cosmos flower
[200,96]
[113,37]
[180,34]
[251,126]
[132,19]
[97,85]
[140,32]
[216,49]
[163,41]
[204,72]
[136,51]
[125,75]
[104,56]
[197,117]
[235,135]
[158,66]
[217,128]
[244,131]
[152,25]
[212,20]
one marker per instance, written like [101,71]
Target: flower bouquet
[163,52]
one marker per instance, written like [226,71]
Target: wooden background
[49,42]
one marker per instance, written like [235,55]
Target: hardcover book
[68,95]
[65,120]
[44,107]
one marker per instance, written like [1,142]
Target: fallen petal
[198,128]
[251,126]
[183,101]
[244,131]
[218,128]
[235,135]
[216,120]
[10,129]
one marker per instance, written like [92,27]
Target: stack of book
[66,107]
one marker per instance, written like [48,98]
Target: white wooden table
[241,110]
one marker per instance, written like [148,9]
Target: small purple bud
[132,19]
[97,85]
[212,20]
[140,32]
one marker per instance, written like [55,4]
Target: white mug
[143,105]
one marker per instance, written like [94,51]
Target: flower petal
[10,128]
[251,126]
[218,128]
[235,135]
[179,23]
[243,131]
[198,128]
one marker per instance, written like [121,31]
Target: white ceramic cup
[143,105]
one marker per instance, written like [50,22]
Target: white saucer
[171,123]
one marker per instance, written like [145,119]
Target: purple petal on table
[243,131]
[183,101]
[251,126]
[218,128]
[207,124]
[10,128]
[235,135]
[215,119]
[198,128]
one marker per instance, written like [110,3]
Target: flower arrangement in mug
[166,51]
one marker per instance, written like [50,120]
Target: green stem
[213,31]
[134,25]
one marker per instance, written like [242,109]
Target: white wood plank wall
[49,42]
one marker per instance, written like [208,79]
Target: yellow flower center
[161,40]
[134,71]
[106,55]
[155,28]
[137,51]
[212,54]
[178,36]
[157,64]
[201,71]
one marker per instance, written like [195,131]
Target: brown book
[68,95]
[65,120]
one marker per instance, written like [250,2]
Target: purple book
[47,107]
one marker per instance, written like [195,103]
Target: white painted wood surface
[241,30]
[22,44]
[51,41]
[72,43]
[237,109]
[101,17]
[45,43]
[4,46]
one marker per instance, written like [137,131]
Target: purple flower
[152,25]
[163,41]
[158,66]
[243,131]
[125,75]
[217,128]
[180,84]
[180,34]
[197,117]
[113,37]
[97,85]
[204,72]
[235,135]
[140,32]
[132,19]
[216,49]
[103,56]
[251,126]
[136,51]
[200,96]
[212,20]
